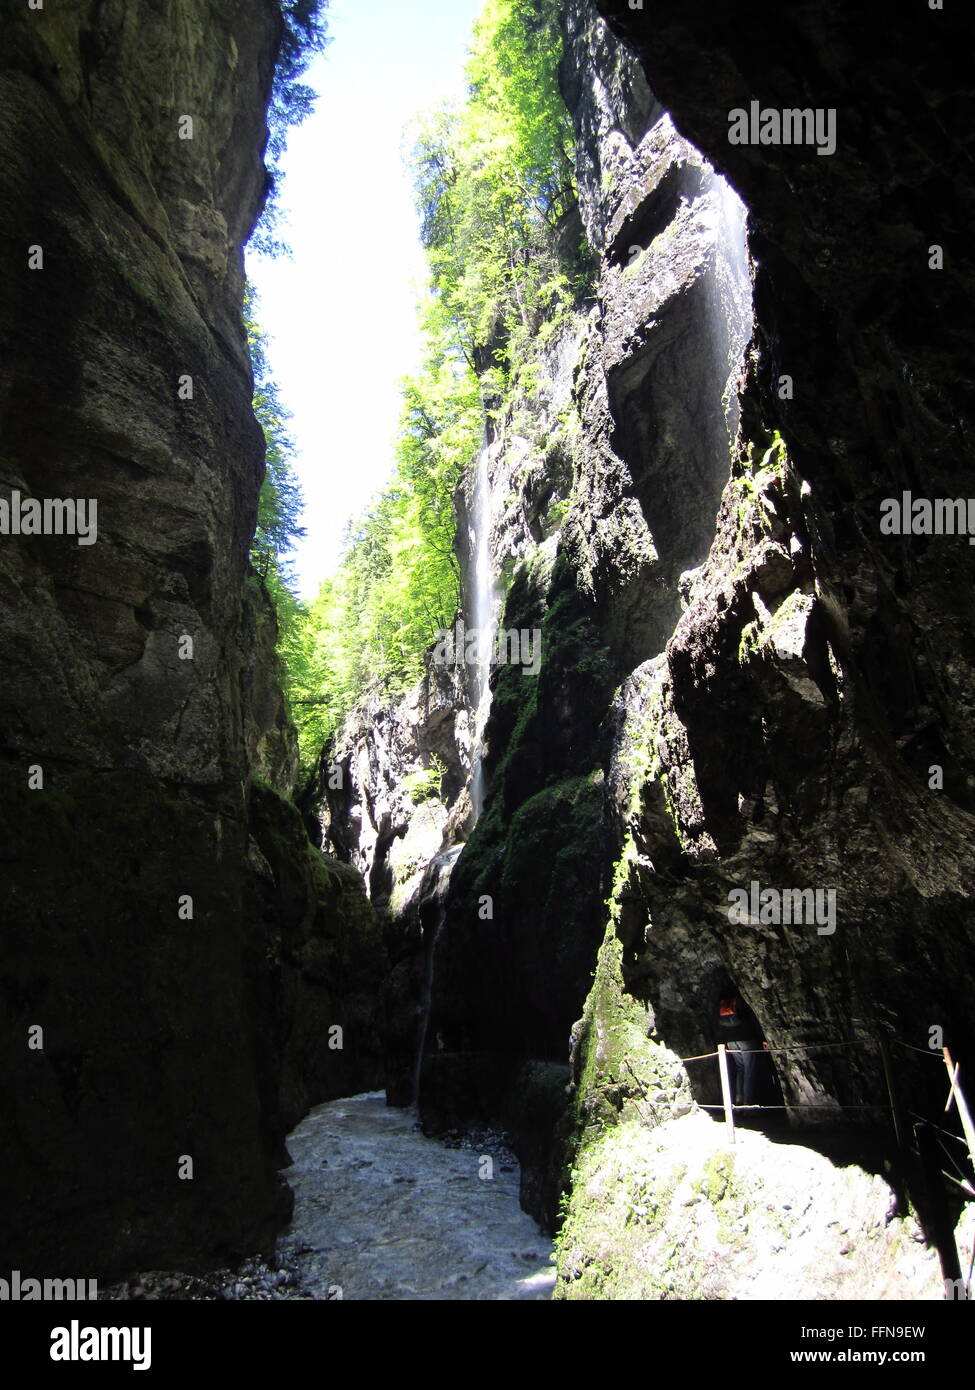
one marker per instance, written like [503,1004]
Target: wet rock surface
[742,681]
[251,1282]
[821,672]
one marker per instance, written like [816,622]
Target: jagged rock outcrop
[819,672]
[321,1036]
[391,797]
[166,1036]
[674,1212]
[782,740]
[742,679]
[648,411]
[386,781]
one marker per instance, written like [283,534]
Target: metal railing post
[939,1216]
[964,1114]
[726,1092]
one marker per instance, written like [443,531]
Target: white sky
[341,315]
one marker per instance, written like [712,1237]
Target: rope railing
[797,1105]
[955,1095]
[889,1106]
[799,1047]
[946,1132]
[924,1051]
[818,1047]
[928,1139]
[962,1180]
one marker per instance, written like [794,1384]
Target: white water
[483,617]
[731,303]
[387,1215]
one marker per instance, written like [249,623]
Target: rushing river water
[383,1213]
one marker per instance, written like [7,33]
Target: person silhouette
[738,1029]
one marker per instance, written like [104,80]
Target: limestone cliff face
[817,677]
[392,798]
[819,671]
[403,836]
[164,1036]
[643,452]
[604,486]
[742,680]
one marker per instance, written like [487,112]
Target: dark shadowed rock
[167,1037]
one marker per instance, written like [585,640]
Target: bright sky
[341,315]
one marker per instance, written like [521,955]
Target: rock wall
[647,417]
[407,847]
[390,798]
[127,758]
[796,729]
[674,1212]
[821,670]
[743,680]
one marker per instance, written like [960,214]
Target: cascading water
[731,302]
[484,617]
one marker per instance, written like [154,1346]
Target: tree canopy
[495,185]
[303,35]
[495,191]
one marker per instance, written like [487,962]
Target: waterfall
[731,305]
[482,615]
[483,605]
[482,609]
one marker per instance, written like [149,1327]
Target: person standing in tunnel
[738,1029]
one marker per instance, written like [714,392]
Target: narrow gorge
[697,730]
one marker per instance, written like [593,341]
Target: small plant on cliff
[757,474]
[427,783]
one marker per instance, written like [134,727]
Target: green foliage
[302,37]
[774,460]
[557,513]
[749,643]
[398,583]
[280,502]
[754,481]
[427,784]
[278,512]
[494,184]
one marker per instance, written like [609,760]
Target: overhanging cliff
[166,925]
